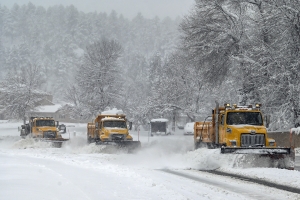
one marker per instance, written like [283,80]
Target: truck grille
[49,134]
[117,136]
[249,140]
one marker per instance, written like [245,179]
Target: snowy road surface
[165,168]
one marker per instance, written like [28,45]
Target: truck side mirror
[267,120]
[130,125]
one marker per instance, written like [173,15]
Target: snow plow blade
[256,150]
[278,157]
[131,146]
[55,142]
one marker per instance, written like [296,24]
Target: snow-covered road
[165,168]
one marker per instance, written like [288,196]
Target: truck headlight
[271,142]
[232,142]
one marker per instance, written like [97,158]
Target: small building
[56,111]
[45,111]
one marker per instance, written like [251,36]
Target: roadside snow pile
[79,145]
[94,149]
[210,159]
[275,175]
[167,145]
[172,153]
[213,159]
[30,143]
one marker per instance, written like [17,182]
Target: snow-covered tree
[99,81]
[20,91]
[257,41]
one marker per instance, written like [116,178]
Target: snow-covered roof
[159,120]
[48,108]
[113,111]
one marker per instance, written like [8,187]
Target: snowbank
[78,169]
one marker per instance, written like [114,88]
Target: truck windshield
[114,124]
[45,123]
[252,118]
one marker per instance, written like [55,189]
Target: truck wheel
[89,139]
[210,146]
[196,145]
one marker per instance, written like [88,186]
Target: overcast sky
[129,8]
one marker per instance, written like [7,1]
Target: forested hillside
[54,41]
[228,51]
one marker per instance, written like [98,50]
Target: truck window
[114,124]
[45,123]
[251,118]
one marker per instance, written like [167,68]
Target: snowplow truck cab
[111,129]
[239,130]
[44,129]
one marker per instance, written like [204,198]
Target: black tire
[89,139]
[210,146]
[196,145]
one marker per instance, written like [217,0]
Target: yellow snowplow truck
[111,129]
[43,129]
[241,130]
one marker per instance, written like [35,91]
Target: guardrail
[283,139]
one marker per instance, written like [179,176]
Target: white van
[189,128]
